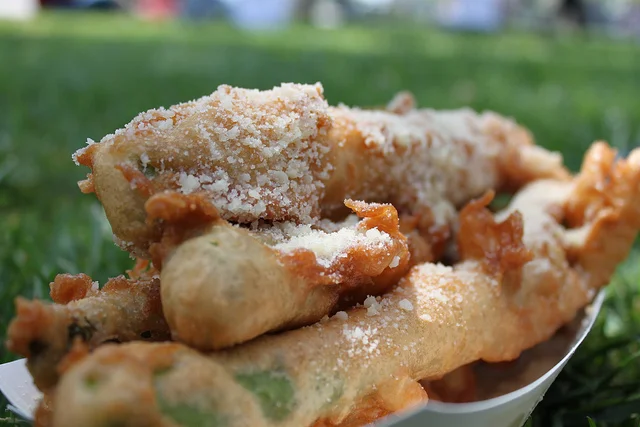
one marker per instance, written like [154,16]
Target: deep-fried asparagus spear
[514,288]
[286,155]
[229,284]
[123,310]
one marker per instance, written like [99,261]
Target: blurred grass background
[68,77]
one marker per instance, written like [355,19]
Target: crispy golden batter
[230,284]
[123,310]
[601,211]
[490,306]
[481,380]
[499,245]
[286,155]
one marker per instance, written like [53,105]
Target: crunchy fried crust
[602,212]
[229,284]
[481,380]
[271,142]
[499,245]
[437,319]
[124,310]
[286,155]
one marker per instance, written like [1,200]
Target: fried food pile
[301,264]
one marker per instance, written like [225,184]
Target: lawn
[66,78]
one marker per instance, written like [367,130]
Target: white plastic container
[508,410]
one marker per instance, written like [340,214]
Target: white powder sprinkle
[420,159]
[373,310]
[144,160]
[372,305]
[425,158]
[394,262]
[369,301]
[341,315]
[259,149]
[405,304]
[79,152]
[164,124]
[188,183]
[330,246]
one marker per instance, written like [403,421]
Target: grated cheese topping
[75,155]
[395,262]
[327,247]
[266,149]
[420,158]
[405,304]
[390,326]
[341,315]
[278,154]
[256,154]
[372,306]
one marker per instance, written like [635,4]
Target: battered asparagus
[123,310]
[515,286]
[230,285]
[286,155]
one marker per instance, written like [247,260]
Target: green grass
[65,78]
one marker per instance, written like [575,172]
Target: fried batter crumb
[69,287]
[498,244]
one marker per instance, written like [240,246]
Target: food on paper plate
[312,265]
[522,275]
[286,155]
